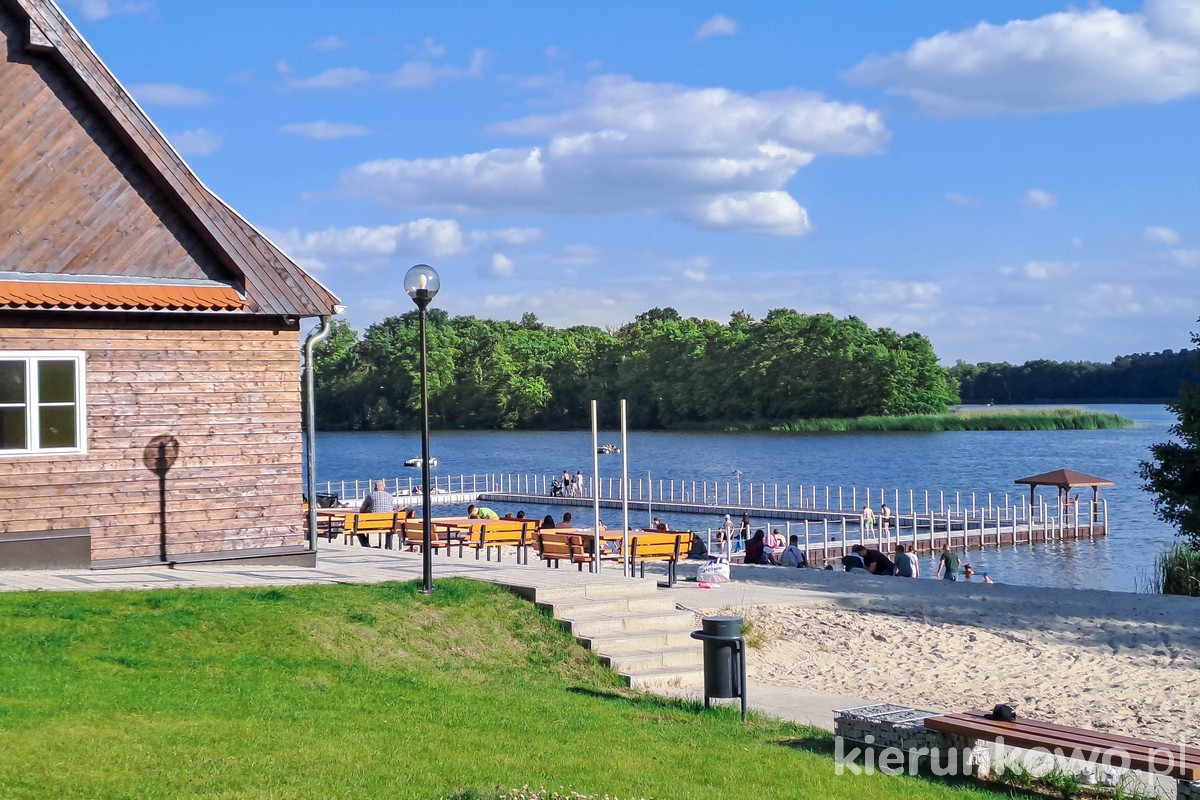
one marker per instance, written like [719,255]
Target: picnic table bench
[1124,751]
[383,524]
[484,535]
[441,537]
[666,546]
[574,547]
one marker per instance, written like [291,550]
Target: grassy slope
[359,691]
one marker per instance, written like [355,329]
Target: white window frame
[33,404]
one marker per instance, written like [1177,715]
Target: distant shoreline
[984,419]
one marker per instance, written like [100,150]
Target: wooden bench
[384,524]
[440,538]
[1094,746]
[484,535]
[572,546]
[668,546]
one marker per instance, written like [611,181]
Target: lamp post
[421,283]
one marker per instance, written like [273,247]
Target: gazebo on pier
[1066,480]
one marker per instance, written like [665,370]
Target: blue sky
[1016,180]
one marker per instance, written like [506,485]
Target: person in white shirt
[793,556]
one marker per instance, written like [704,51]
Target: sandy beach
[1111,661]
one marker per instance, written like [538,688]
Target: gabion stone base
[886,725]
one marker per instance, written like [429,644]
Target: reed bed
[1041,419]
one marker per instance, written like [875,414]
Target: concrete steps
[634,627]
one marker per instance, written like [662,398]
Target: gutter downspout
[310,428]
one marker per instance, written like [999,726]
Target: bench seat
[668,546]
[1139,754]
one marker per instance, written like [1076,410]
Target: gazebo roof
[1065,479]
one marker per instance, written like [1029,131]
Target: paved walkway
[343,564]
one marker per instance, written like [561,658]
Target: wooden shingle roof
[62,224]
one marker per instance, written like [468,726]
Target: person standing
[378,501]
[566,483]
[868,520]
[743,533]
[579,483]
[907,565]
[947,564]
[725,533]
[885,520]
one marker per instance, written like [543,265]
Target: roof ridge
[275,284]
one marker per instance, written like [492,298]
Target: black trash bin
[326,500]
[724,658]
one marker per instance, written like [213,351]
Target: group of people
[768,548]
[906,564]
[568,486]
[868,519]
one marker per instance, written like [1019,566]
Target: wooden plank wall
[227,390]
[75,200]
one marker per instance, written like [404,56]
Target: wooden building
[150,353]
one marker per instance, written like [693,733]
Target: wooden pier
[827,521]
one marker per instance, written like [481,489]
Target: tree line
[1139,377]
[675,372]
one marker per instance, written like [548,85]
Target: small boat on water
[608,449]
[416,461]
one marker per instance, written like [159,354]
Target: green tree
[1173,477]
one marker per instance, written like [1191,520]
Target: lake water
[964,462]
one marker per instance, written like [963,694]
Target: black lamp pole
[422,283]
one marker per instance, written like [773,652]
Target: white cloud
[896,295]
[365,248]
[512,237]
[1037,270]
[432,48]
[501,266]
[333,42]
[578,255]
[718,25]
[959,199]
[170,94]
[1081,58]
[93,10]
[775,213]
[1039,199]
[198,142]
[336,78]
[1188,259]
[1157,234]
[1076,243]
[322,130]
[713,157]
[424,74]
[501,301]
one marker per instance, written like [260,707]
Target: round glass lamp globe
[421,283]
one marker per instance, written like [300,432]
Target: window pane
[57,426]
[12,382]
[56,381]
[12,429]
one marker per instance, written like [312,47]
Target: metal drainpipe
[310,428]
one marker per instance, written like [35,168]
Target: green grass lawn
[362,692]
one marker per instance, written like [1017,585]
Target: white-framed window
[42,406]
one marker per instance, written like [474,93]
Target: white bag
[715,571]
